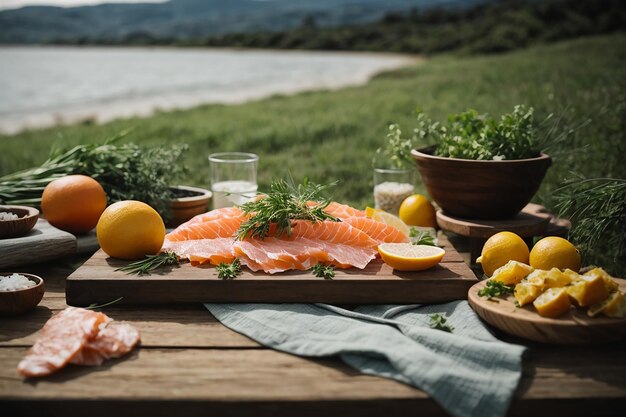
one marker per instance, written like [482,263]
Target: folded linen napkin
[468,372]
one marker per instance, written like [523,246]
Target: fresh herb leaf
[284,203]
[439,322]
[99,306]
[229,270]
[151,263]
[421,237]
[324,271]
[495,289]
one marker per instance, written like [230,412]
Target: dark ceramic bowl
[20,301]
[15,228]
[192,201]
[481,189]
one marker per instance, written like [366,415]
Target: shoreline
[145,104]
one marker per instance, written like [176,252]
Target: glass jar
[392,186]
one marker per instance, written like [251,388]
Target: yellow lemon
[130,230]
[588,290]
[391,220]
[553,302]
[408,257]
[500,249]
[511,273]
[416,210]
[554,252]
[369,211]
[526,293]
[614,306]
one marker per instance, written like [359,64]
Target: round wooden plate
[574,328]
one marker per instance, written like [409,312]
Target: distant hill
[181,20]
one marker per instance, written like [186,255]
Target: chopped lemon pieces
[409,257]
[608,280]
[588,290]
[614,306]
[526,293]
[554,278]
[511,273]
[553,302]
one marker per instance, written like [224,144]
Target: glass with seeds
[392,186]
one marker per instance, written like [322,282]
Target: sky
[14,4]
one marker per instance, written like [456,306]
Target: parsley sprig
[284,203]
[439,322]
[495,289]
[323,271]
[421,237]
[229,270]
[151,263]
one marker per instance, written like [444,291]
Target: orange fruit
[130,230]
[73,203]
[554,252]
[500,249]
[416,210]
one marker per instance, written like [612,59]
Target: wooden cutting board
[574,328]
[96,281]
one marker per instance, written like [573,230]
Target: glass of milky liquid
[391,187]
[233,178]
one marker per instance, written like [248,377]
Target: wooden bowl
[193,201]
[15,228]
[21,301]
[480,189]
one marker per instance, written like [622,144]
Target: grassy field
[333,135]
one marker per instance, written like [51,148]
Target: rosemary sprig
[229,270]
[151,263]
[495,289]
[439,322]
[323,271]
[284,203]
[95,306]
[421,237]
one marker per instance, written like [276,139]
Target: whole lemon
[73,203]
[554,252]
[500,249]
[416,210]
[130,230]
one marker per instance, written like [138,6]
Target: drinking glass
[391,187]
[233,178]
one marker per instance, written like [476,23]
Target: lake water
[43,86]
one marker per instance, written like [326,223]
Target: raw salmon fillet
[78,336]
[379,231]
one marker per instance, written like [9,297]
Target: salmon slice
[60,339]
[113,341]
[211,229]
[381,232]
[201,251]
[274,255]
[220,213]
[343,211]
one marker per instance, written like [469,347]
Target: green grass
[333,135]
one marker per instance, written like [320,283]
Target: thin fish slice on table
[60,340]
[112,341]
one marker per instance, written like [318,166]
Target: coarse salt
[5,216]
[389,195]
[15,282]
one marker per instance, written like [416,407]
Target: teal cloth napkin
[468,372]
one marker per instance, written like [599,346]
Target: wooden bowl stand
[533,220]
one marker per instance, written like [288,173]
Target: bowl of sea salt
[19,292]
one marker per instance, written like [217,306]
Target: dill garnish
[281,205]
[152,262]
[439,322]
[229,270]
[495,289]
[323,271]
[99,306]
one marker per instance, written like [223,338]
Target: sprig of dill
[421,237]
[151,263]
[439,322]
[323,271]
[229,270]
[284,203]
[96,306]
[495,289]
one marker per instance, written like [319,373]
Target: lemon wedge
[526,293]
[609,283]
[614,306]
[553,302]
[408,257]
[511,273]
[369,211]
[554,278]
[391,220]
[588,290]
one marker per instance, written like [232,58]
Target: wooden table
[189,363]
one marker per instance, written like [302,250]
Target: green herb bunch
[470,135]
[439,322]
[125,171]
[397,150]
[284,203]
[323,271]
[495,289]
[597,210]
